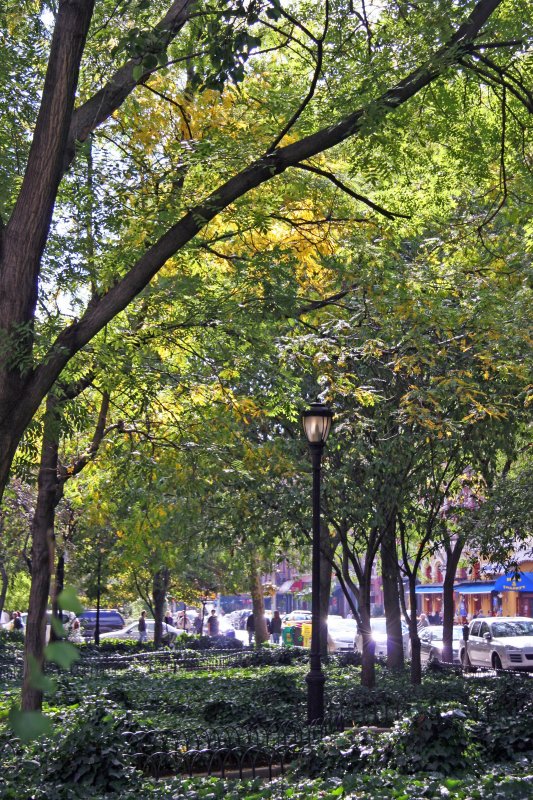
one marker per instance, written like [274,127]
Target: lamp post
[317,425]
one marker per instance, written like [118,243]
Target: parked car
[342,632]
[110,620]
[225,627]
[378,626]
[24,616]
[131,631]
[295,618]
[431,643]
[238,618]
[500,643]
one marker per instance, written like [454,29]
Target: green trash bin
[297,637]
[286,635]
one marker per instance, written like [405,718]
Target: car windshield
[380,626]
[340,622]
[513,628]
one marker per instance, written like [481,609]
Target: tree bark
[3,585]
[258,604]
[42,556]
[368,660]
[27,230]
[416,666]
[453,554]
[391,598]
[59,582]
[159,593]
[328,545]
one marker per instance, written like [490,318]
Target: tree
[26,376]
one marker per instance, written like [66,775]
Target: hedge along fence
[170,661]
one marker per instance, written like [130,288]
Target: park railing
[188,660]
[230,751]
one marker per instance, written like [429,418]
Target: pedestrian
[141,627]
[437,619]
[75,632]
[169,619]
[250,627]
[212,624]
[423,621]
[18,624]
[199,624]
[275,627]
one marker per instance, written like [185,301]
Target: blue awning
[507,583]
[482,587]
[429,588]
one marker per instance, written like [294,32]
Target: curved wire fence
[262,749]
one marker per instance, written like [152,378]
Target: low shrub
[347,752]
[507,736]
[437,739]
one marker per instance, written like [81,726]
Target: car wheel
[496,661]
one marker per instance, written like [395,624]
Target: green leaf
[58,627]
[62,653]
[68,600]
[150,61]
[38,680]
[29,725]
[137,72]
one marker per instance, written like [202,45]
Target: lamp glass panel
[314,428]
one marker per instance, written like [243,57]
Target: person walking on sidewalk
[250,627]
[141,627]
[212,624]
[275,627]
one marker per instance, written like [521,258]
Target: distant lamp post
[317,425]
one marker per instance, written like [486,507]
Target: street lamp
[317,425]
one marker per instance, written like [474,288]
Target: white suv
[500,643]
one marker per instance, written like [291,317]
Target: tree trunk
[4,585]
[159,593]
[416,666]
[391,597]
[453,554]
[258,604]
[368,661]
[27,230]
[59,583]
[98,597]
[42,556]
[328,545]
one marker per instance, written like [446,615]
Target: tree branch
[73,338]
[340,185]
[111,96]
[309,96]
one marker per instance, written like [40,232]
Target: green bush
[346,752]
[13,638]
[92,752]
[435,739]
[508,735]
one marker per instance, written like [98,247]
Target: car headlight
[512,648]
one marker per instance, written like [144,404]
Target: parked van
[110,620]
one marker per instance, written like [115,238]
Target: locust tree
[323,76]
